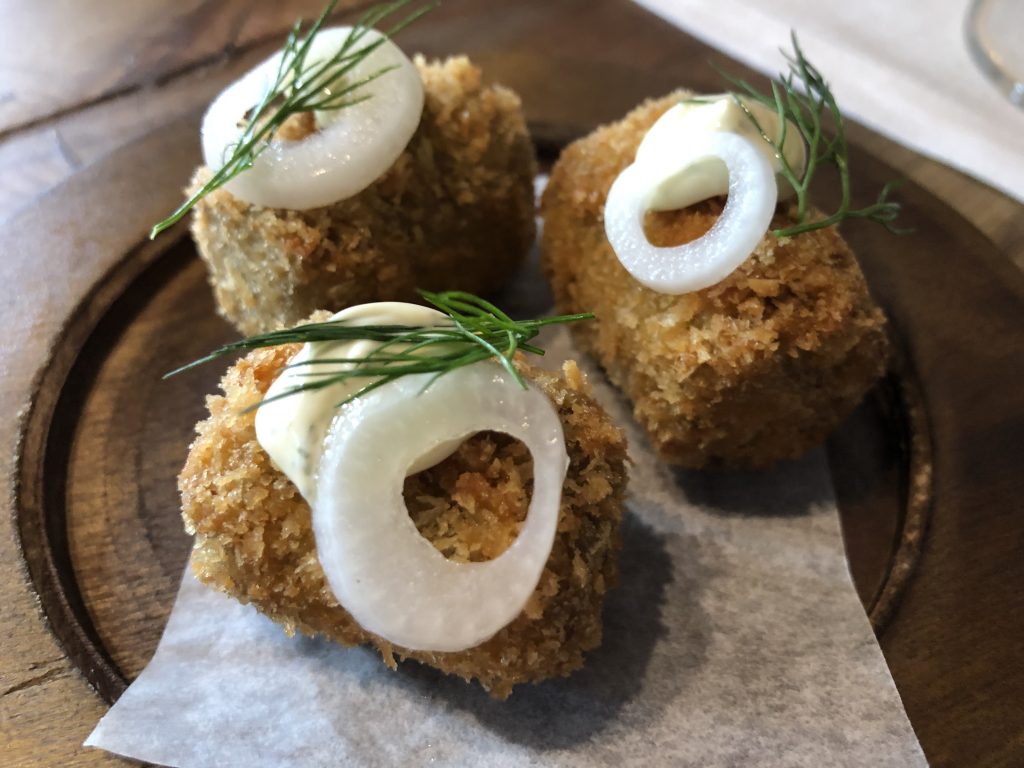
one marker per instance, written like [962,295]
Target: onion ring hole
[471,506]
[667,229]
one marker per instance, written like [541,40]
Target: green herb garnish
[802,96]
[477,331]
[300,86]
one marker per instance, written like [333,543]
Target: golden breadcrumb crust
[455,211]
[254,541]
[760,367]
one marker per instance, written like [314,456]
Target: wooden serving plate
[97,507]
[935,447]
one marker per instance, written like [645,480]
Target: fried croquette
[758,368]
[254,541]
[455,211]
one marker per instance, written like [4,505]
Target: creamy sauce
[292,430]
[351,148]
[675,185]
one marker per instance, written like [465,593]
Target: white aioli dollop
[697,150]
[292,429]
[349,463]
[353,147]
[675,185]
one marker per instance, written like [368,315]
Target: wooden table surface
[81,79]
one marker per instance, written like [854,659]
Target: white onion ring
[711,258]
[392,581]
[354,145]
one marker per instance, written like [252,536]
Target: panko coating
[254,540]
[455,211]
[757,368]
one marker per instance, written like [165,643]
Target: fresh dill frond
[300,87]
[802,97]
[475,330]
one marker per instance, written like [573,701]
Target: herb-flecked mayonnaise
[292,429]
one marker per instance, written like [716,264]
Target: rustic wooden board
[111,436]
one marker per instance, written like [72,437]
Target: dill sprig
[299,87]
[802,97]
[476,330]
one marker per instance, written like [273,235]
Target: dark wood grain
[954,643]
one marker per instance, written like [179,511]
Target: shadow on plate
[565,712]
[788,489]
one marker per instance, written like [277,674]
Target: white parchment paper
[734,639]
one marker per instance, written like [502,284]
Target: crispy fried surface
[757,368]
[472,505]
[455,211]
[254,541]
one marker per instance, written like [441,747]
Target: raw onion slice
[711,258]
[354,145]
[382,571]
